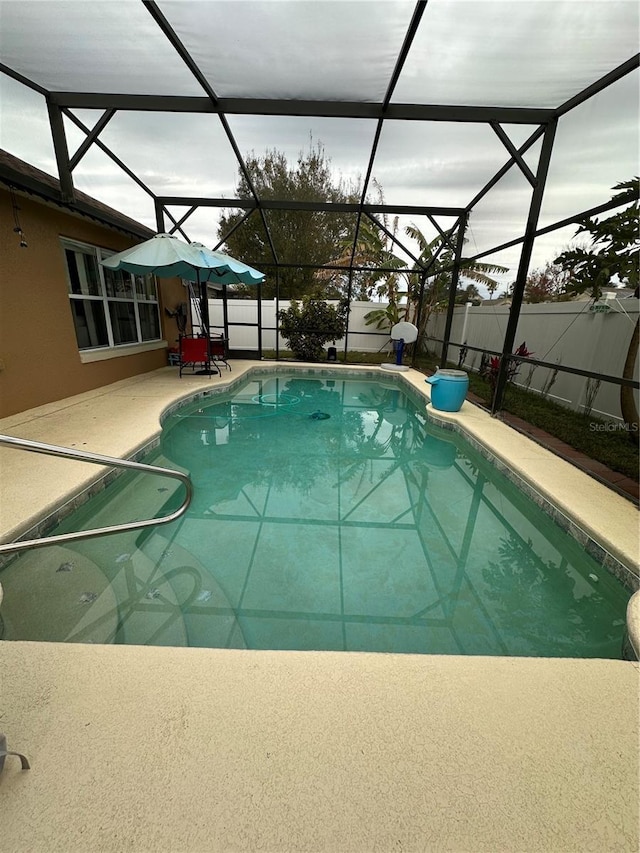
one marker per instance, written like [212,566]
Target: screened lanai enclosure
[484,129]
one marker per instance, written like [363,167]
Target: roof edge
[20,175]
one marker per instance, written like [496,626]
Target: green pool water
[327,514]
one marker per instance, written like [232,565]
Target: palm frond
[488,269]
[423,243]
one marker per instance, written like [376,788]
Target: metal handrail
[97,459]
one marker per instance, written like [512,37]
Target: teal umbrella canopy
[162,255]
[223,269]
[165,255]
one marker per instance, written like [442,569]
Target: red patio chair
[194,352]
[218,351]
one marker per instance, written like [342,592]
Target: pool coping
[156,746]
[517,456]
[192,749]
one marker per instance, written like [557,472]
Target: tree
[387,317]
[307,237]
[508,292]
[613,252]
[374,248]
[436,291]
[614,246]
[547,284]
[492,289]
[470,293]
[309,325]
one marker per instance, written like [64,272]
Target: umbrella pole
[204,306]
[204,316]
[225,314]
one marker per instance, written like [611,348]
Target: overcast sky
[466,52]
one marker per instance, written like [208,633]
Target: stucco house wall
[39,357]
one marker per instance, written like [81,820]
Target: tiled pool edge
[92,487]
[47,520]
[609,561]
[260,370]
[633,624]
[624,573]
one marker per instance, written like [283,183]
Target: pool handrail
[97,459]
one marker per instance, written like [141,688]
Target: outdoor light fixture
[18,227]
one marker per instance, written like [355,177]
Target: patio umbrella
[223,270]
[165,255]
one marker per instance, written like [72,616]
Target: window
[109,308]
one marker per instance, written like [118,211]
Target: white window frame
[137,345]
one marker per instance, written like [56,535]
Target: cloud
[465,52]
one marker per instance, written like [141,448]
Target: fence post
[414,355]
[465,323]
[277,312]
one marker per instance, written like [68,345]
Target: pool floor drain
[319,416]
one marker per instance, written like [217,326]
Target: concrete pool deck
[139,748]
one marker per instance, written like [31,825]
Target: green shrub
[308,325]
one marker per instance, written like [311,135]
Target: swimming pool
[328,514]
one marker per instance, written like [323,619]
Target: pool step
[59,594]
[209,618]
[55,595]
[149,610]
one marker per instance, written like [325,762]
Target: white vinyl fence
[245,337]
[566,333]
[570,334]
